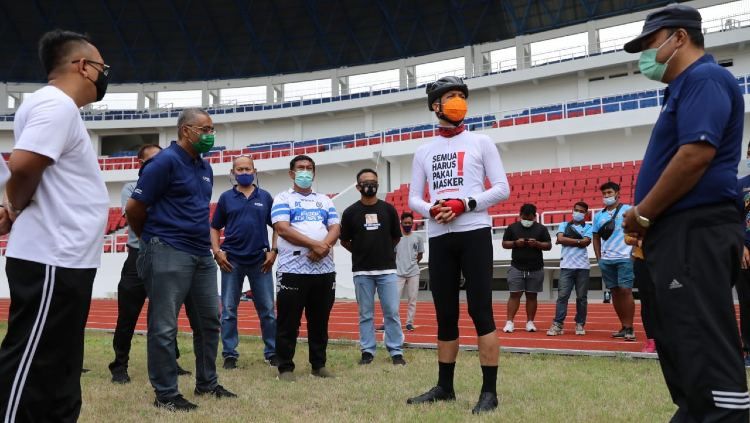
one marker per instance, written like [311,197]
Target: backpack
[608,228]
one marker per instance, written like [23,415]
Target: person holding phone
[527,238]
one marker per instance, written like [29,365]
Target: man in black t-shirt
[527,238]
[370,229]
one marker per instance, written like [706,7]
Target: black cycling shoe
[437,393]
[487,402]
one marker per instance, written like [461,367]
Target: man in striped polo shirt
[613,256]
[575,237]
[308,227]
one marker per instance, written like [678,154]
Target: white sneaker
[580,330]
[509,327]
[530,327]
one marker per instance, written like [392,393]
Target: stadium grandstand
[553,88]
[344,82]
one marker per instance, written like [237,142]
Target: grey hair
[188,115]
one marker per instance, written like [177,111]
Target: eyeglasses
[105,68]
[204,129]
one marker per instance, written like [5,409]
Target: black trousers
[451,255]
[693,259]
[645,286]
[42,354]
[743,297]
[315,295]
[131,295]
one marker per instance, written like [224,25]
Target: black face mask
[369,190]
[101,83]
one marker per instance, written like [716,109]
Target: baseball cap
[672,16]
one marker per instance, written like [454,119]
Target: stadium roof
[183,40]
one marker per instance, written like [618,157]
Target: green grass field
[533,388]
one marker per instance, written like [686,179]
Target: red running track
[601,321]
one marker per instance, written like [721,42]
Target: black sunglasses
[105,68]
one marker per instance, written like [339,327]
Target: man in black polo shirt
[686,216]
[370,229]
[527,238]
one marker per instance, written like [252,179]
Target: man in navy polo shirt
[169,212]
[131,294]
[686,217]
[244,212]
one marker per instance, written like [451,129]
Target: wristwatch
[12,209]
[643,221]
[471,204]
[275,250]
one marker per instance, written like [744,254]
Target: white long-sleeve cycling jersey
[457,168]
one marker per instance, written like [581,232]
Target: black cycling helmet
[436,89]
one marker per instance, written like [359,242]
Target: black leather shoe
[437,393]
[366,359]
[120,377]
[487,402]
[182,372]
[230,363]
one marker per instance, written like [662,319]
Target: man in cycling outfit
[454,165]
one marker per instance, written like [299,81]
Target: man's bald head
[58,47]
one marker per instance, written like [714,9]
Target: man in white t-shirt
[58,203]
[308,226]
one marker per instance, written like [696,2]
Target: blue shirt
[244,220]
[127,191]
[615,247]
[177,190]
[575,257]
[703,104]
[743,204]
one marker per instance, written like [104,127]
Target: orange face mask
[454,109]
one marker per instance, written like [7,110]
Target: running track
[601,321]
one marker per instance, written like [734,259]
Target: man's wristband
[275,250]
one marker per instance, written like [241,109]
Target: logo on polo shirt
[138,191]
[259,204]
[207,179]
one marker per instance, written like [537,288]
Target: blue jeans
[568,279]
[231,289]
[388,292]
[171,278]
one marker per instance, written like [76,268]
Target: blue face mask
[578,216]
[610,201]
[303,178]
[245,179]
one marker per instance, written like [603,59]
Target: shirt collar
[185,156]
[237,192]
[675,86]
[292,191]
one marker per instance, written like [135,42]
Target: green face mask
[648,65]
[204,143]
